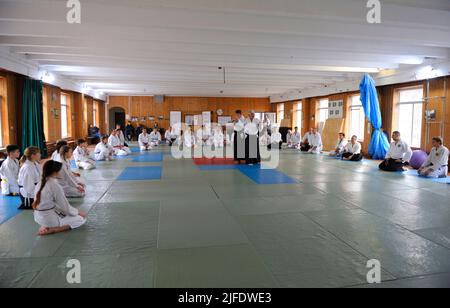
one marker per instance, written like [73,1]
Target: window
[64,129]
[94,113]
[357,118]
[410,109]
[280,113]
[266,117]
[259,116]
[322,111]
[299,116]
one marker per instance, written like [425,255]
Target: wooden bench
[51,147]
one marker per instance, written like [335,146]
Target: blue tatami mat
[8,208]
[149,158]
[266,176]
[141,174]
[414,173]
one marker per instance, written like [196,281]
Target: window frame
[414,104]
[360,108]
[299,110]
[281,113]
[320,110]
[64,116]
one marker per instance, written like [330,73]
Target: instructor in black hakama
[239,137]
[252,153]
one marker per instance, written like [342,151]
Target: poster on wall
[336,109]
[224,120]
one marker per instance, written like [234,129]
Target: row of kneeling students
[398,156]
[45,187]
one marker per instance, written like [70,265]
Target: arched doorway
[116,116]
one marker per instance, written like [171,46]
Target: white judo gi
[54,210]
[340,148]
[168,135]
[116,144]
[436,166]
[82,159]
[155,139]
[218,138]
[295,140]
[56,156]
[29,176]
[144,142]
[103,151]
[315,141]
[121,137]
[400,150]
[69,182]
[276,138]
[9,172]
[188,139]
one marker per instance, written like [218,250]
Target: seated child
[52,211]
[103,151]
[29,176]
[81,156]
[155,138]
[59,145]
[9,171]
[70,182]
[116,143]
[144,141]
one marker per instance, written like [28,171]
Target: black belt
[46,210]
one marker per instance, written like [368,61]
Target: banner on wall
[336,109]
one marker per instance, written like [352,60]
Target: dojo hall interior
[172,216]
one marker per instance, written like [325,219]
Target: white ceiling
[267,47]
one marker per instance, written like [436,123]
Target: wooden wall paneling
[78,120]
[52,113]
[89,110]
[101,117]
[447,114]
[4,111]
[436,92]
[144,106]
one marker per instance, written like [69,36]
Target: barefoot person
[9,171]
[352,150]
[398,156]
[436,166]
[340,146]
[315,142]
[52,211]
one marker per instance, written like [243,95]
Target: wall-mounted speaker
[159,99]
